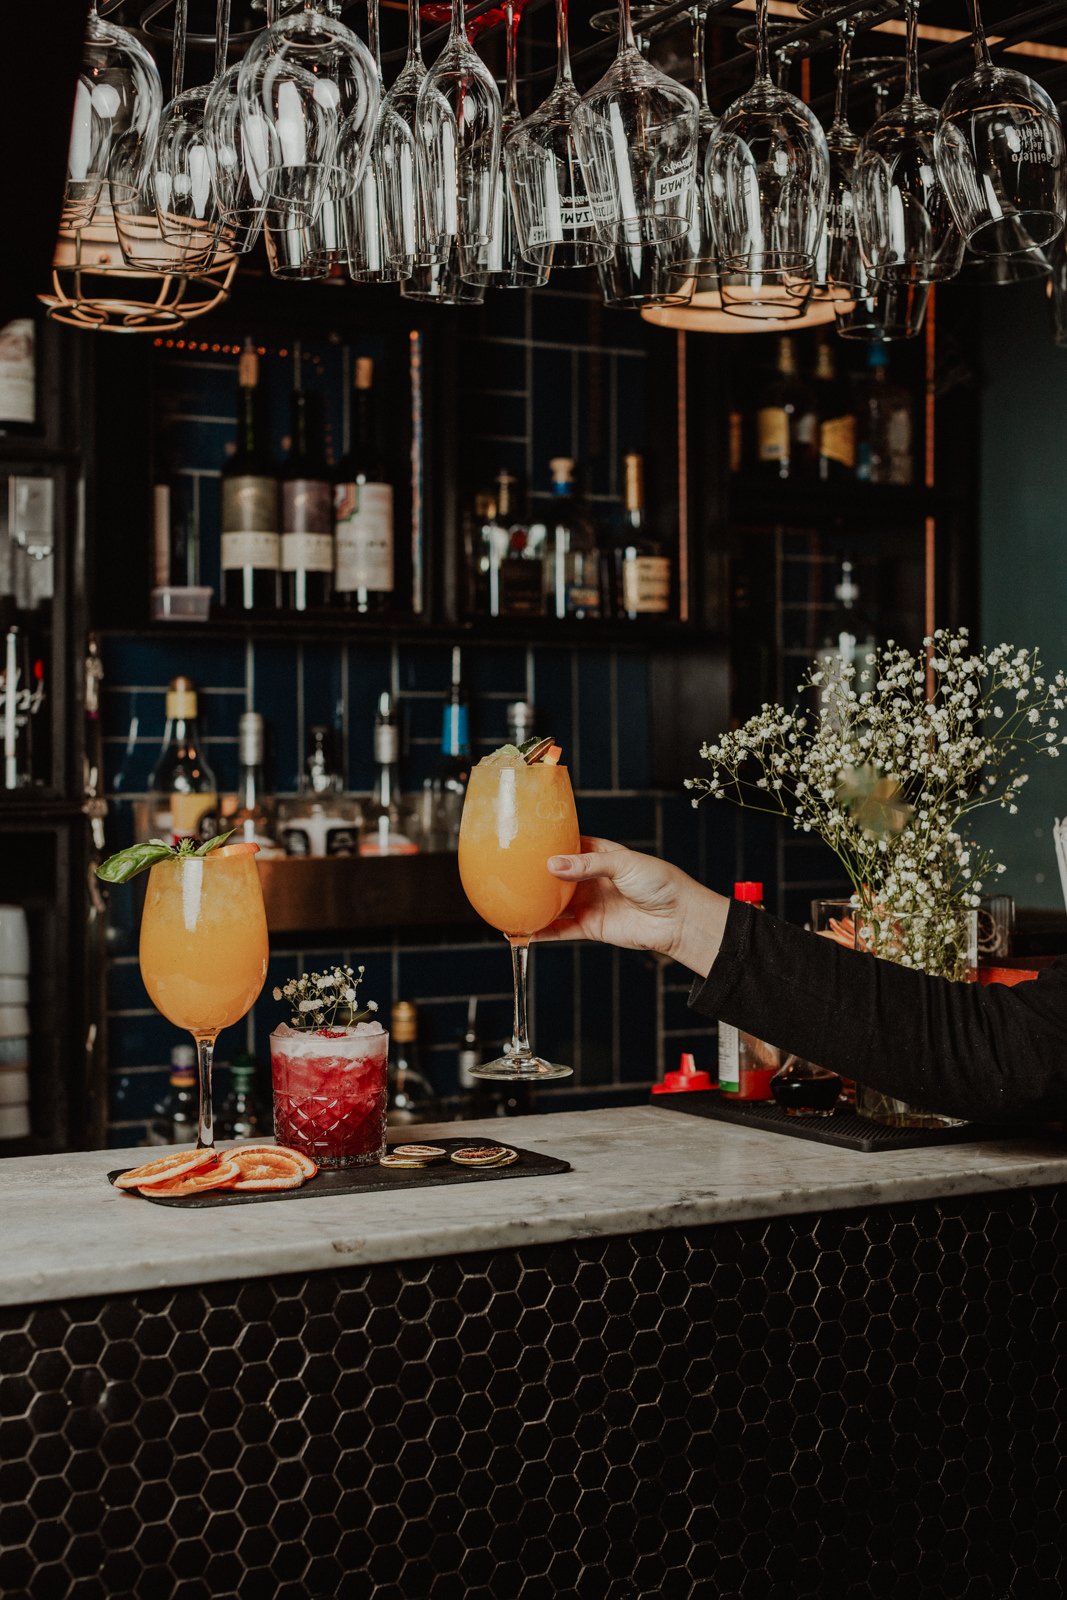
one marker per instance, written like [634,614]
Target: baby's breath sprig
[326,999]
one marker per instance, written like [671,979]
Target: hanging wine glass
[1000,272]
[555,214]
[237,155]
[768,176]
[500,264]
[457,132]
[442,282]
[87,157]
[405,209]
[117,111]
[300,81]
[636,132]
[368,251]
[907,234]
[1000,155]
[186,205]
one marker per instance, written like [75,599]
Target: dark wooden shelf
[880,503]
[348,895]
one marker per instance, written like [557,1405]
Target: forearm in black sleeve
[960,1048]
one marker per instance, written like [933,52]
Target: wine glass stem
[763,66]
[700,82]
[911,59]
[177,72]
[205,1055]
[981,48]
[414,32]
[511,99]
[373,35]
[520,952]
[222,35]
[459,22]
[844,62]
[563,47]
[626,27]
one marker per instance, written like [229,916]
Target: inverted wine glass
[907,233]
[441,281]
[693,255]
[368,246]
[237,155]
[405,209]
[126,103]
[457,131]
[515,816]
[1000,155]
[558,220]
[768,178]
[636,131]
[87,157]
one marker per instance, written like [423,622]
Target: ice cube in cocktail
[330,1092]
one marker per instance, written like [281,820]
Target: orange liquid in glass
[514,818]
[204,940]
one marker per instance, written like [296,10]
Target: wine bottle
[185,799]
[364,574]
[252,821]
[250,541]
[307,513]
[389,822]
[18,376]
[837,423]
[446,789]
[643,571]
[786,425]
[886,425]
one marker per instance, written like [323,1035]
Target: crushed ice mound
[506,756]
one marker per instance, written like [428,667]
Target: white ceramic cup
[14,1022]
[14,1122]
[14,1087]
[14,991]
[14,943]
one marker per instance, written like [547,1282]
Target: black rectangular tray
[844,1128]
[370,1180]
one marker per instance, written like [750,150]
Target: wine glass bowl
[237,157]
[457,131]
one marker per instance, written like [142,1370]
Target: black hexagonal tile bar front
[858,1404]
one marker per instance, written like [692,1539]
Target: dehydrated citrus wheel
[305,1163]
[245,848]
[167,1169]
[222,1176]
[266,1169]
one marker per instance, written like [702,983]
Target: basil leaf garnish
[127,864]
[213,844]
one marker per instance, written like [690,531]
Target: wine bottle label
[307,507]
[342,841]
[249,503]
[521,588]
[772,434]
[729,1058]
[260,550]
[161,535]
[646,585]
[837,440]
[364,521]
[188,812]
[307,552]
[18,388]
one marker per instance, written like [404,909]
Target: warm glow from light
[704,314]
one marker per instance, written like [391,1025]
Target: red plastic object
[752,892]
[1008,975]
[687,1077]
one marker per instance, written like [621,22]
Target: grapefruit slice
[167,1169]
[308,1167]
[245,848]
[222,1176]
[265,1169]
[551,757]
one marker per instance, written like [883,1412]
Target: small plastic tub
[181,605]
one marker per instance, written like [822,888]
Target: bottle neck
[183,732]
[250,787]
[363,423]
[455,730]
[246,422]
[387,784]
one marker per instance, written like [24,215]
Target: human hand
[639,903]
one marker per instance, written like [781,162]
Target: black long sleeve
[988,1053]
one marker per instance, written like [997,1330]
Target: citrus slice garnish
[166,1169]
[551,757]
[308,1167]
[245,848]
[265,1169]
[222,1176]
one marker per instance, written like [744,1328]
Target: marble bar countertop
[67,1232]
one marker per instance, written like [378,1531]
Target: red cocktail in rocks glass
[330,1092]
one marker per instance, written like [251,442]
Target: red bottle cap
[687,1077]
[752,892]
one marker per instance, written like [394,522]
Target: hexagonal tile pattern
[854,1405]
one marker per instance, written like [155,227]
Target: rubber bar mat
[372,1180]
[844,1128]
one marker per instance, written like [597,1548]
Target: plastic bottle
[746,1064]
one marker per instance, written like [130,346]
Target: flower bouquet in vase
[887,761]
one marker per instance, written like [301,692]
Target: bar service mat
[371,1180]
[845,1128]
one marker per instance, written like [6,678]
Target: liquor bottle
[885,417]
[522,721]
[643,571]
[18,376]
[470,1051]
[445,791]
[364,576]
[786,424]
[252,821]
[521,580]
[322,820]
[251,545]
[411,1098]
[389,822]
[837,424]
[307,514]
[488,552]
[571,562]
[848,641]
[242,1116]
[746,1064]
[174,1118]
[185,800]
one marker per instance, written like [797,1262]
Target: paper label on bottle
[18,388]
[364,521]
[249,504]
[259,550]
[307,507]
[342,840]
[307,552]
[772,434]
[837,440]
[188,812]
[646,585]
[804,428]
[729,1058]
[521,588]
[676,178]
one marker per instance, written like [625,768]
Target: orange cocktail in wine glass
[204,950]
[516,814]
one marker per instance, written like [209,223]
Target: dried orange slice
[167,1169]
[305,1163]
[552,755]
[265,1169]
[222,1176]
[245,848]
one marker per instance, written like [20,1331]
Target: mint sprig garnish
[126,864]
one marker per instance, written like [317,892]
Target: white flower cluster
[325,999]
[942,733]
